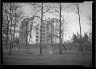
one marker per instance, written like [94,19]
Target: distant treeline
[76,38]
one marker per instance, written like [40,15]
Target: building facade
[47,31]
[48,28]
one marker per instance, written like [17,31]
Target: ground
[50,56]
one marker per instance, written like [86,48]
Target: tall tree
[41,30]
[60,32]
[24,31]
[80,27]
[6,20]
[11,43]
[16,16]
[27,34]
[72,8]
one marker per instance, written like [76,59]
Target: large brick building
[48,27]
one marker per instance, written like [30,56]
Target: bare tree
[11,18]
[42,14]
[27,35]
[80,27]
[7,20]
[16,17]
[41,30]
[60,31]
[72,7]
[48,8]
[11,43]
[62,28]
[9,12]
[41,9]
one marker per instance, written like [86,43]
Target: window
[43,26]
[36,32]
[36,28]
[43,33]
[36,36]
[40,37]
[40,40]
[40,34]
[36,39]
[47,39]
[43,30]
[43,40]
[43,37]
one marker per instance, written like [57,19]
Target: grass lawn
[50,56]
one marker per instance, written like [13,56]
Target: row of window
[42,27]
[36,32]
[37,29]
[40,40]
[43,30]
[37,40]
[42,33]
[43,37]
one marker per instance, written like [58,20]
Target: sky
[72,17]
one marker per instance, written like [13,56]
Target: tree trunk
[63,44]
[11,31]
[80,28]
[62,41]
[26,37]
[14,30]
[60,52]
[51,33]
[7,33]
[41,30]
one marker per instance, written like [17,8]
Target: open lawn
[50,56]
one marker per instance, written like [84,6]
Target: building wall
[47,28]
[38,34]
[44,33]
[23,31]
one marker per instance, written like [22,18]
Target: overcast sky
[72,17]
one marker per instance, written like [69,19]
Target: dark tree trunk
[80,28]
[62,40]
[27,36]
[51,33]
[41,30]
[60,52]
[11,43]
[63,44]
[7,33]
[14,30]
